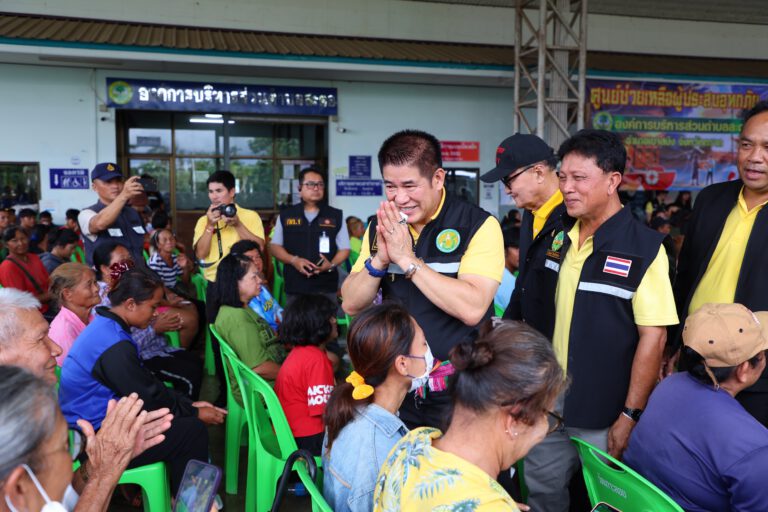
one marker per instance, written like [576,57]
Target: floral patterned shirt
[418,477]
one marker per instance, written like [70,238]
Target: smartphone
[319,262]
[604,507]
[198,487]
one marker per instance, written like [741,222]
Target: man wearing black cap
[526,166]
[111,219]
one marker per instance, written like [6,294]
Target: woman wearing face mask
[104,363]
[503,392]
[76,291]
[387,348]
[35,456]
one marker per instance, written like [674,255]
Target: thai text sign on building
[678,135]
[460,151]
[213,97]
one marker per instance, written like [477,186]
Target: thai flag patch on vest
[617,266]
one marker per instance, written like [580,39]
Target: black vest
[441,245]
[127,222]
[302,238]
[603,335]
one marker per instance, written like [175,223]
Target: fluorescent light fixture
[213,116]
[208,120]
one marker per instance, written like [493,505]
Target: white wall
[49,116]
[52,116]
[410,20]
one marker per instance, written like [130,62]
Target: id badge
[115,232]
[325,244]
[139,230]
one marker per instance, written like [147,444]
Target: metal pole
[541,72]
[518,63]
[582,66]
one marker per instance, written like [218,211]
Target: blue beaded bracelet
[374,271]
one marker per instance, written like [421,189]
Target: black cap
[515,152]
[106,171]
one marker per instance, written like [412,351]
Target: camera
[227,210]
[148,184]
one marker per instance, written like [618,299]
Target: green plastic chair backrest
[278,286]
[227,354]
[263,411]
[201,285]
[498,310]
[318,501]
[618,485]
[78,255]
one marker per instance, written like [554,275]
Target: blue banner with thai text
[70,179]
[142,94]
[358,187]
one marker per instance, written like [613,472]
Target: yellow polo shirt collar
[414,233]
[541,215]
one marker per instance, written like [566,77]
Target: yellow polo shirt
[484,255]
[541,215]
[718,285]
[653,303]
[229,237]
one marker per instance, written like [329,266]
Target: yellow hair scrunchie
[362,390]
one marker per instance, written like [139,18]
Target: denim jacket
[357,454]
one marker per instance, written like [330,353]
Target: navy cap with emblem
[519,150]
[106,171]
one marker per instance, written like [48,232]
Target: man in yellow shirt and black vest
[528,168]
[441,257]
[724,257]
[612,304]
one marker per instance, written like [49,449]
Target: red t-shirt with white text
[303,386]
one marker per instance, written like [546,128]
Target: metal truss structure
[550,67]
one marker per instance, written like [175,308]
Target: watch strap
[633,414]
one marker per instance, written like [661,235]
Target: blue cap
[106,171]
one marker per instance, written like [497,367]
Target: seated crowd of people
[428,398]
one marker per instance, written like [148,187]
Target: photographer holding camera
[224,224]
[111,218]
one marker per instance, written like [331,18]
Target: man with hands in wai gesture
[439,256]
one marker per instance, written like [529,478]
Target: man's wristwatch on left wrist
[633,414]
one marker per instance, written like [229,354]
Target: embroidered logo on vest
[448,240]
[617,266]
[557,243]
[293,222]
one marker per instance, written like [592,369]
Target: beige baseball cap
[726,335]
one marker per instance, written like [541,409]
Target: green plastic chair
[618,485]
[235,421]
[201,287]
[153,480]
[270,440]
[173,339]
[78,255]
[498,310]
[318,500]
[278,285]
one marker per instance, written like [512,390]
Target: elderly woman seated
[503,393]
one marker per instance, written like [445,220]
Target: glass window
[287,192]
[199,134]
[149,132]
[296,140]
[463,183]
[250,139]
[19,184]
[191,190]
[254,182]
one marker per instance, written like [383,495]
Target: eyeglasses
[555,421]
[507,180]
[314,184]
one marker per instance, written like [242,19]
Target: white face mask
[429,362]
[69,501]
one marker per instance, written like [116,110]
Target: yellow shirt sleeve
[252,221]
[199,229]
[365,253]
[654,303]
[485,253]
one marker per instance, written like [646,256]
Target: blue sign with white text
[70,179]
[360,167]
[215,97]
[358,187]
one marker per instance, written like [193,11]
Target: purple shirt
[701,447]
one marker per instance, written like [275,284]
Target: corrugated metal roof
[113,33]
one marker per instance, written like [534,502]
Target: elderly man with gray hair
[24,342]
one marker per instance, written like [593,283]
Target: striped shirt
[167,274]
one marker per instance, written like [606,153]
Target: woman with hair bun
[390,355]
[503,392]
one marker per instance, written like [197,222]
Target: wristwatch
[633,414]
